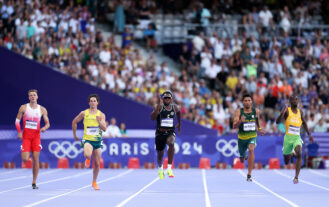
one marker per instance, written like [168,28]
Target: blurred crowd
[271,69]
[215,70]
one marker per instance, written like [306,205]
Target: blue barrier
[65,97]
[187,149]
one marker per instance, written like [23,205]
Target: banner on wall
[187,150]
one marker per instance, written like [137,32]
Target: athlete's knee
[97,163]
[251,149]
[87,156]
[299,155]
[25,159]
[171,146]
[35,159]
[171,140]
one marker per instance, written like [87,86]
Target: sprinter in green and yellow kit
[94,123]
[292,141]
[246,119]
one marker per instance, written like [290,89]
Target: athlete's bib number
[167,122]
[31,125]
[92,131]
[294,130]
[250,126]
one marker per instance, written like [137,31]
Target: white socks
[169,166]
[160,168]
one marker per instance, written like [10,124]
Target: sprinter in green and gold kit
[246,119]
[292,141]
[94,123]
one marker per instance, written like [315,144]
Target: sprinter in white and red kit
[31,113]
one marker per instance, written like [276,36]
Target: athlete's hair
[293,96]
[167,92]
[32,90]
[93,96]
[246,95]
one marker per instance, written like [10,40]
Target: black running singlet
[166,118]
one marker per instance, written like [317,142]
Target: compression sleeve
[18,125]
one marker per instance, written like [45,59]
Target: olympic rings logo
[228,148]
[65,149]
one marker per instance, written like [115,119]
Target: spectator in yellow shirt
[232,80]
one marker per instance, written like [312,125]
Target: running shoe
[95,186]
[295,180]
[161,174]
[249,178]
[34,186]
[87,163]
[170,173]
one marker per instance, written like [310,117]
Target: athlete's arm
[156,110]
[75,121]
[236,121]
[101,120]
[305,126]
[45,119]
[20,114]
[178,126]
[284,113]
[257,122]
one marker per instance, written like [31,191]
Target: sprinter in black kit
[165,112]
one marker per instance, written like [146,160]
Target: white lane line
[302,181]
[45,182]
[72,191]
[11,171]
[141,190]
[29,176]
[268,190]
[318,173]
[206,194]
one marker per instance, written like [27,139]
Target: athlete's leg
[298,150]
[160,157]
[251,158]
[87,150]
[35,156]
[26,149]
[26,156]
[242,145]
[97,157]
[171,148]
[288,149]
[287,159]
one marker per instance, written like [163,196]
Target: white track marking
[318,173]
[268,190]
[45,182]
[206,194]
[72,191]
[11,171]
[29,176]
[302,181]
[141,190]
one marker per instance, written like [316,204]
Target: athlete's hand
[159,104]
[285,109]
[310,137]
[178,127]
[20,136]
[159,99]
[242,119]
[42,129]
[76,138]
[261,131]
[99,119]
